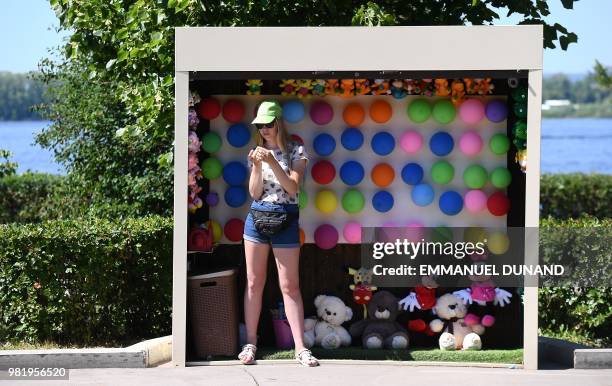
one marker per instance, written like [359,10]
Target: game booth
[412,132]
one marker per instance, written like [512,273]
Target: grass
[43,346]
[512,356]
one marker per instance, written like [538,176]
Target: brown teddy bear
[380,330]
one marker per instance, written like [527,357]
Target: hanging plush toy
[442,88]
[457,92]
[347,88]
[456,333]
[304,87]
[318,87]
[362,290]
[362,87]
[254,86]
[470,86]
[288,87]
[484,86]
[192,119]
[380,87]
[397,89]
[332,87]
[194,98]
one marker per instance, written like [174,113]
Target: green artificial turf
[512,356]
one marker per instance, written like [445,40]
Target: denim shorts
[287,238]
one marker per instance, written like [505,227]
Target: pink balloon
[471,111]
[411,141]
[475,201]
[321,113]
[470,143]
[326,236]
[352,232]
[415,231]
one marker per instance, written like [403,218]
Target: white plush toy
[456,334]
[327,331]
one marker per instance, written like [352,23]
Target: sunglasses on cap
[265,125]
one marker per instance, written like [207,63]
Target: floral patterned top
[272,189]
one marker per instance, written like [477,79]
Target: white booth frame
[321,51]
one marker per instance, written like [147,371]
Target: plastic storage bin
[214,313]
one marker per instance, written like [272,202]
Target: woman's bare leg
[256,268]
[288,263]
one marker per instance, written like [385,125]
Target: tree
[603,76]
[120,60]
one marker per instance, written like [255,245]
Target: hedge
[86,282]
[25,198]
[574,195]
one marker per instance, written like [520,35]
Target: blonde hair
[282,139]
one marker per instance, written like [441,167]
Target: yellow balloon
[326,201]
[474,234]
[216,229]
[498,243]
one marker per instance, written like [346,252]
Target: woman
[277,167]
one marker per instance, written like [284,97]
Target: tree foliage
[112,109]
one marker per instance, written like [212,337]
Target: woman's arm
[290,182]
[256,178]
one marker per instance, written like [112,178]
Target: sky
[27,30]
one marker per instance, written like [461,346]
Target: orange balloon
[380,111]
[353,114]
[383,175]
[302,236]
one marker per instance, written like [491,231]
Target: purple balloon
[496,110]
[321,113]
[212,198]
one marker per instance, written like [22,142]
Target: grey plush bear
[380,330]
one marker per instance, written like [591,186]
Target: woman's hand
[253,157]
[263,154]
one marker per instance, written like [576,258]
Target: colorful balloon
[351,139]
[321,113]
[382,175]
[422,194]
[352,232]
[441,143]
[450,203]
[470,143]
[353,201]
[475,201]
[234,173]
[496,110]
[236,196]
[324,144]
[211,142]
[326,236]
[471,111]
[501,177]
[442,172]
[412,173]
[380,111]
[233,111]
[209,108]
[234,229]
[411,141]
[326,201]
[293,111]
[499,144]
[382,201]
[351,173]
[353,114]
[475,176]
[383,143]
[211,168]
[498,204]
[323,172]
[443,111]
[238,135]
[419,110]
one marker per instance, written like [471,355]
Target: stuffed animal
[192,119]
[254,86]
[457,92]
[288,86]
[304,87]
[380,328]
[484,86]
[456,334]
[409,85]
[362,86]
[332,87]
[419,302]
[327,331]
[318,87]
[380,87]
[194,98]
[347,87]
[362,290]
[442,88]
[397,89]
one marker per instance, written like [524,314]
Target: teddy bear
[327,330]
[304,87]
[253,86]
[456,334]
[380,87]
[442,88]
[380,330]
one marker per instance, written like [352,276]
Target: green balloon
[442,172]
[212,168]
[211,142]
[302,199]
[443,111]
[419,110]
[475,176]
[501,177]
[441,234]
[353,201]
[499,144]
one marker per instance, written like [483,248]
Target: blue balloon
[412,173]
[238,135]
[422,194]
[234,173]
[351,172]
[324,144]
[352,139]
[451,203]
[293,111]
[383,143]
[382,201]
[235,196]
[441,143]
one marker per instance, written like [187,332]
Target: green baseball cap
[268,111]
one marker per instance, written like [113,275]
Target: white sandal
[305,358]
[247,355]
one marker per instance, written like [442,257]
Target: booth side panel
[532,216]
[179,266]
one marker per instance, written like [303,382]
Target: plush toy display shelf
[443,144]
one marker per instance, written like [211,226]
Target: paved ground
[329,374]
